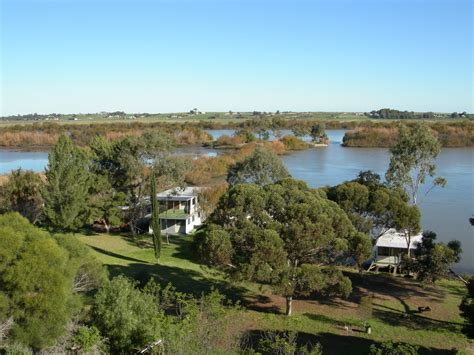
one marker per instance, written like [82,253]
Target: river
[444,210]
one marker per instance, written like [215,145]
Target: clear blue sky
[163,56]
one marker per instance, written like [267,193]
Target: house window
[384,251]
[193,218]
[189,220]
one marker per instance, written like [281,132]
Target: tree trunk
[289,305]
[107,226]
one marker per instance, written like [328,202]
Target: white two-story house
[179,210]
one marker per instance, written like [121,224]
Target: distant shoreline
[361,132]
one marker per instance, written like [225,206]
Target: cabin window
[384,251]
[189,220]
[193,218]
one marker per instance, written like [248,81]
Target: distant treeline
[387,113]
[453,134]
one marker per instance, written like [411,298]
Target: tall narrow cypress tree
[155,217]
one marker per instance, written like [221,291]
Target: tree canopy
[285,235]
[128,317]
[374,207]
[413,159]
[434,260]
[36,282]
[66,193]
[262,167]
[22,193]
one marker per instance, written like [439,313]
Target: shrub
[390,348]
[86,338]
[294,143]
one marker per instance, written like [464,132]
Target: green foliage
[300,131]
[262,167]
[22,194]
[318,133]
[105,199]
[86,271]
[467,307]
[123,164]
[285,343]
[200,325]
[36,283]
[129,318]
[387,113]
[433,260]
[134,319]
[360,246]
[155,218]
[294,143]
[285,235]
[171,171]
[390,348]
[372,207]
[86,338]
[246,135]
[406,219]
[413,159]
[214,243]
[66,193]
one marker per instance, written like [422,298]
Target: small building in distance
[390,247]
[180,212]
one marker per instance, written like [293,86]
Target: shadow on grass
[328,320]
[413,320]
[261,303]
[458,289]
[115,255]
[387,285]
[331,343]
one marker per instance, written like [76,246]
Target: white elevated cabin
[179,210]
[390,247]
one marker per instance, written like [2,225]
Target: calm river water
[445,211]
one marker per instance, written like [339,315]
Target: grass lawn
[393,314]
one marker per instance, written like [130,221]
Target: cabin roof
[177,194]
[394,239]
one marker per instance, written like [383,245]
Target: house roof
[394,239]
[178,194]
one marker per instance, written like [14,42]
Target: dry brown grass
[3,179]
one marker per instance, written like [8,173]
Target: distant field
[221,120]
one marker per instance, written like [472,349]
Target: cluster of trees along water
[263,227]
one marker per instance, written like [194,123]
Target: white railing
[388,260]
